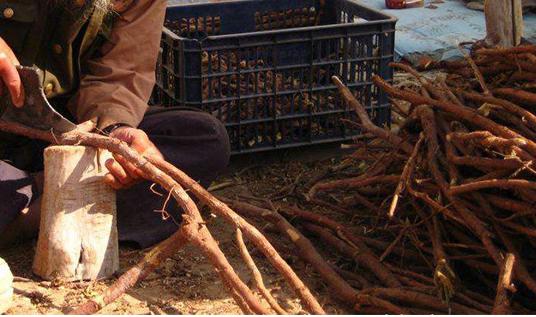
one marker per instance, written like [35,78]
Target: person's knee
[221,149]
[18,205]
[198,133]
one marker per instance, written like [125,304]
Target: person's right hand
[9,75]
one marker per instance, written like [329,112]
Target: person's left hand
[123,174]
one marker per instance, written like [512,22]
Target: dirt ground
[187,283]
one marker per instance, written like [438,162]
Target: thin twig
[257,274]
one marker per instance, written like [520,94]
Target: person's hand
[123,174]
[9,76]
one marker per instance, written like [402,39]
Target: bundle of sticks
[446,205]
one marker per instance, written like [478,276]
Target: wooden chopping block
[78,233]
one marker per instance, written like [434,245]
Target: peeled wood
[78,233]
[504,22]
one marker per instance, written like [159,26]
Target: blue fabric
[438,31]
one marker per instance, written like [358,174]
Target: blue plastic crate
[263,67]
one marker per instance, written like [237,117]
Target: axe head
[37,112]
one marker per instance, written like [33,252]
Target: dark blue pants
[194,141]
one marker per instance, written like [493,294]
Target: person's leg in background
[15,197]
[195,142]
[20,187]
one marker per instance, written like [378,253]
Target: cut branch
[365,121]
[504,287]
[493,183]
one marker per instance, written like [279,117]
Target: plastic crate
[263,67]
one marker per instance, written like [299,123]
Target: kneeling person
[99,60]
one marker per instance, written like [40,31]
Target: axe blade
[37,112]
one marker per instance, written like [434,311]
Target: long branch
[257,277]
[306,249]
[220,208]
[493,183]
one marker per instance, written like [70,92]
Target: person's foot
[6,286]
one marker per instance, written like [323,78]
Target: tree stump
[504,22]
[78,233]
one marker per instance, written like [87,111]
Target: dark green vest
[57,40]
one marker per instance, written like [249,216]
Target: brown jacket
[118,82]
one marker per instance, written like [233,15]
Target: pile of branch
[446,204]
